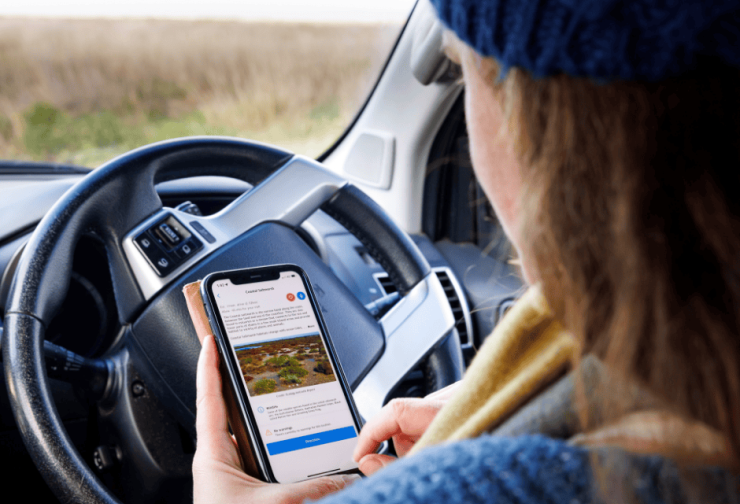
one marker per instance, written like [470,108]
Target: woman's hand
[403,420]
[217,473]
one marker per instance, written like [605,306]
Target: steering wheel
[150,389]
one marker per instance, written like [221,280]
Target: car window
[80,86]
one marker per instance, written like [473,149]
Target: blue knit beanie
[603,39]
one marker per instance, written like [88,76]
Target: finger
[445,393]
[211,421]
[374,462]
[317,488]
[400,416]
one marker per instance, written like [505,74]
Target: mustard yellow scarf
[527,350]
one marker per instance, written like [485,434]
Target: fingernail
[371,465]
[350,478]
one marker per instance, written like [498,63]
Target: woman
[605,134]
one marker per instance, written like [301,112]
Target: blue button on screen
[317,439]
[301,296]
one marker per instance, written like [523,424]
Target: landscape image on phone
[284,364]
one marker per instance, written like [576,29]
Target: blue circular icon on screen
[261,409]
[301,296]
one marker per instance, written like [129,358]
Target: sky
[370,11]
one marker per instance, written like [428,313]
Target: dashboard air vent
[457,309]
[387,284]
[454,297]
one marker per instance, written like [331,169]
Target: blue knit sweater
[533,470]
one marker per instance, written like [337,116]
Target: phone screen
[303,418]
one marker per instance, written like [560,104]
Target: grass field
[83,91]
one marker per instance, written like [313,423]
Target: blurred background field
[84,91]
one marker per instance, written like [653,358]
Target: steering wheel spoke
[288,196]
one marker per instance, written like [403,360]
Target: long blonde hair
[631,218]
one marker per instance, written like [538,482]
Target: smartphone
[291,394]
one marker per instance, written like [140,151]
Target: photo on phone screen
[302,415]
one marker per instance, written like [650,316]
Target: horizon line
[304,335]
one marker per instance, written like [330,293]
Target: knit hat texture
[603,39]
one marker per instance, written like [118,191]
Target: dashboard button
[186,250]
[195,243]
[145,242]
[189,248]
[167,245]
[203,231]
[169,236]
[163,263]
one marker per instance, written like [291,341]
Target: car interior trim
[413,113]
[413,328]
[467,346]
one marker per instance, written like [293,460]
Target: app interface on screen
[301,412]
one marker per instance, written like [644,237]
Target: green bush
[293,370]
[291,378]
[283,361]
[264,386]
[277,361]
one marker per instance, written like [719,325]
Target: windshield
[82,82]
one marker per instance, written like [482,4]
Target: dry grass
[138,81]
